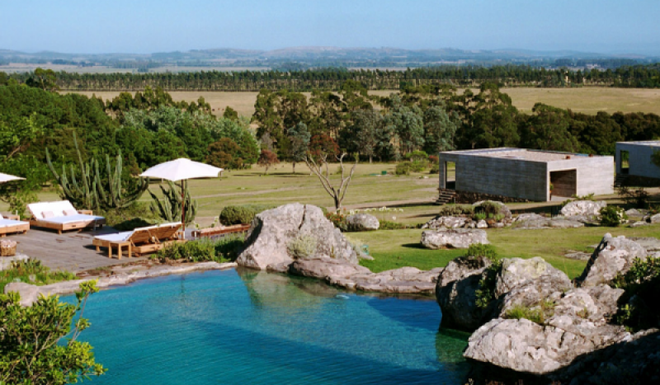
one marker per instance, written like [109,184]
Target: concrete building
[638,155]
[527,174]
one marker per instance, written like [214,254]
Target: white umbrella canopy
[8,178]
[181,169]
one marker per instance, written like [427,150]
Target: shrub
[490,208]
[33,272]
[223,250]
[302,246]
[418,155]
[456,210]
[418,166]
[242,214]
[390,225]
[482,250]
[339,220]
[403,168]
[479,216]
[612,216]
[435,168]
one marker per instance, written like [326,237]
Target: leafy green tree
[225,153]
[33,344]
[361,136]
[43,79]
[548,129]
[407,124]
[230,114]
[299,138]
[439,130]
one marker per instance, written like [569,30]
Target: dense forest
[148,127]
[331,79]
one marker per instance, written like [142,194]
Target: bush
[223,250]
[490,208]
[241,215]
[435,168]
[403,168]
[390,225]
[638,305]
[612,216]
[482,250]
[456,210]
[33,272]
[418,166]
[339,220]
[303,246]
[418,155]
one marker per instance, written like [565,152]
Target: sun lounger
[11,224]
[141,240]
[220,230]
[62,216]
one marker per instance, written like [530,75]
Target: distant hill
[314,57]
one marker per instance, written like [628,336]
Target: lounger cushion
[70,212]
[47,214]
[10,222]
[116,237]
[58,208]
[73,218]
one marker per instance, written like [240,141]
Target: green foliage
[241,215]
[338,218]
[486,292]
[482,250]
[225,153]
[169,208]
[32,347]
[612,216]
[403,168]
[391,225]
[638,305]
[302,246]
[480,216]
[537,314]
[89,188]
[490,208]
[450,210]
[33,272]
[224,249]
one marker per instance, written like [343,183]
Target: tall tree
[299,137]
[439,130]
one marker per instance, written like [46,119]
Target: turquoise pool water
[245,327]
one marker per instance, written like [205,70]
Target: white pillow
[47,214]
[70,212]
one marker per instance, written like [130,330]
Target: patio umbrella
[180,170]
[8,178]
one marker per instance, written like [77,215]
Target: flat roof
[518,153]
[651,143]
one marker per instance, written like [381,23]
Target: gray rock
[516,271]
[636,212]
[446,222]
[654,218]
[325,268]
[531,221]
[611,257]
[5,262]
[453,238]
[273,230]
[405,280]
[482,224]
[639,224]
[456,293]
[588,208]
[651,244]
[537,294]
[362,222]
[559,223]
[577,255]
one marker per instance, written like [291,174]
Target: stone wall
[472,197]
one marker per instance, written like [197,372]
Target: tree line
[431,118]
[331,79]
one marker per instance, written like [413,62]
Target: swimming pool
[252,327]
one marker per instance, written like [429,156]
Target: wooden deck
[72,251]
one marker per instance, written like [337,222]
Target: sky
[148,26]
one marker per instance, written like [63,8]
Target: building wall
[595,175]
[526,179]
[639,159]
[498,176]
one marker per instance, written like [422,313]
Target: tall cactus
[92,191]
[169,208]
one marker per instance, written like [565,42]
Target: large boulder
[362,222]
[325,268]
[446,222]
[530,221]
[516,272]
[583,208]
[273,230]
[612,256]
[453,238]
[456,294]
[405,280]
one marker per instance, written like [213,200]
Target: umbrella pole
[183,207]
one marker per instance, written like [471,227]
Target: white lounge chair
[11,224]
[62,216]
[141,240]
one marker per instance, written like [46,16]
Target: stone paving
[72,250]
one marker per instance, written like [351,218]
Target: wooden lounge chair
[62,216]
[141,240]
[220,230]
[12,224]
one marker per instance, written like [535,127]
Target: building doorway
[624,164]
[563,183]
[450,175]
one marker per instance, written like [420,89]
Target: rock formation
[453,238]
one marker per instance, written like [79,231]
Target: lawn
[392,249]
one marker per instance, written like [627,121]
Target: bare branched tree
[324,176]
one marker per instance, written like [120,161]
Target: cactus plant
[169,208]
[86,188]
